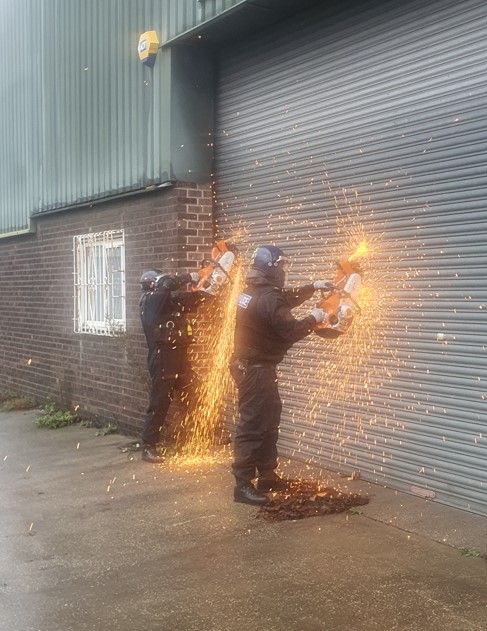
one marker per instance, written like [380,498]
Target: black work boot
[274,483]
[150,454]
[248,494]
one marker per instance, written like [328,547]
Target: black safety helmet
[149,279]
[270,260]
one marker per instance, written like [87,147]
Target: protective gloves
[195,277]
[323,284]
[318,314]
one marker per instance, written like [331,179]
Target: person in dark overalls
[163,311]
[265,330]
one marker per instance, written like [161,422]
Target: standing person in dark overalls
[265,330]
[168,333]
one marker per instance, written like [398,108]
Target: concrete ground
[94,539]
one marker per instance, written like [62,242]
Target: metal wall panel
[372,116]
[80,117]
[83,120]
[20,139]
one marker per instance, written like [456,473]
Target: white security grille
[99,283]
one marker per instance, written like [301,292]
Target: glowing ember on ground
[306,498]
[186,461]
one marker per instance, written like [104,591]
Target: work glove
[318,314]
[323,284]
[195,277]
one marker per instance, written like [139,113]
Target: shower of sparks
[205,419]
[362,250]
[203,425]
[352,367]
[329,387]
[334,382]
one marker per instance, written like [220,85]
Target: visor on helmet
[271,261]
[149,279]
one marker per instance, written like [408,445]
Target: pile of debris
[305,498]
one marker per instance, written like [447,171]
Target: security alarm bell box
[148,47]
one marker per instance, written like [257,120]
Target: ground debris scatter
[306,498]
[133,446]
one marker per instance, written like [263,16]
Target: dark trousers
[170,372]
[259,403]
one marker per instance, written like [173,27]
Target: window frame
[99,283]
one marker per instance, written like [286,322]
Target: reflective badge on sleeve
[244,300]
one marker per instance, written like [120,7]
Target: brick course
[40,355]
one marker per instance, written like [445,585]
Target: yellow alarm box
[148,47]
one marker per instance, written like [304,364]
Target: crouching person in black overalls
[163,311]
[265,330]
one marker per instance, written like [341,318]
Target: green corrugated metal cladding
[81,118]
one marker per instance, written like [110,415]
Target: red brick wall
[40,355]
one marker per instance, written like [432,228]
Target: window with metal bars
[99,283]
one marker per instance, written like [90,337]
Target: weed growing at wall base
[470,552]
[107,429]
[53,418]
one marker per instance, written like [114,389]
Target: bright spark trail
[206,416]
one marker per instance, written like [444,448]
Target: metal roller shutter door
[374,114]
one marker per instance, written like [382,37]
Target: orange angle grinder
[215,271]
[340,301]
